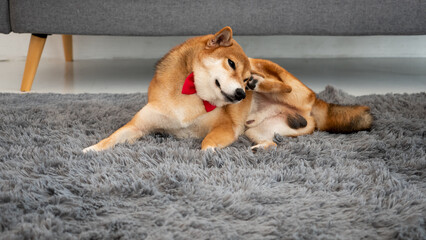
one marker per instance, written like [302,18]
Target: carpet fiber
[367,185]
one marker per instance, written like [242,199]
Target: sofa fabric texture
[4,16]
[252,17]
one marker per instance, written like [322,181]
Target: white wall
[14,46]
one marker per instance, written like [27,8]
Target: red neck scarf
[189,88]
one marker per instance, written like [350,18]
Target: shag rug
[367,185]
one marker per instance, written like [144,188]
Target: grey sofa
[188,17]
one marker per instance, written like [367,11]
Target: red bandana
[189,88]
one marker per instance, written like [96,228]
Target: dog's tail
[341,119]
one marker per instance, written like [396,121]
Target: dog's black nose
[239,94]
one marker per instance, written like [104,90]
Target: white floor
[357,76]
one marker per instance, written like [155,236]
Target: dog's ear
[223,38]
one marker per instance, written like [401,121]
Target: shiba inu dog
[284,105]
[198,90]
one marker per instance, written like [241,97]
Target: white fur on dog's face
[205,75]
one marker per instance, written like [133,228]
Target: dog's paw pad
[252,83]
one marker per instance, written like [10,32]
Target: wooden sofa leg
[35,49]
[67,42]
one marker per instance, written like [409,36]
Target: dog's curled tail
[341,119]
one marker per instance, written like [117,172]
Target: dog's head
[220,69]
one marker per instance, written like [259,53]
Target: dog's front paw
[209,146]
[209,149]
[92,148]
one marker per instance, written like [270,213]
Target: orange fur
[282,104]
[168,110]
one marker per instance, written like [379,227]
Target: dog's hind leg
[262,136]
[265,85]
[144,122]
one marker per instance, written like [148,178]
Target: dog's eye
[245,80]
[231,64]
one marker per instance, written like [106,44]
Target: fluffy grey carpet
[368,185]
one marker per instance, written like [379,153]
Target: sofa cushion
[4,16]
[246,17]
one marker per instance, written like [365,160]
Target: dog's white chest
[198,127]
[192,122]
